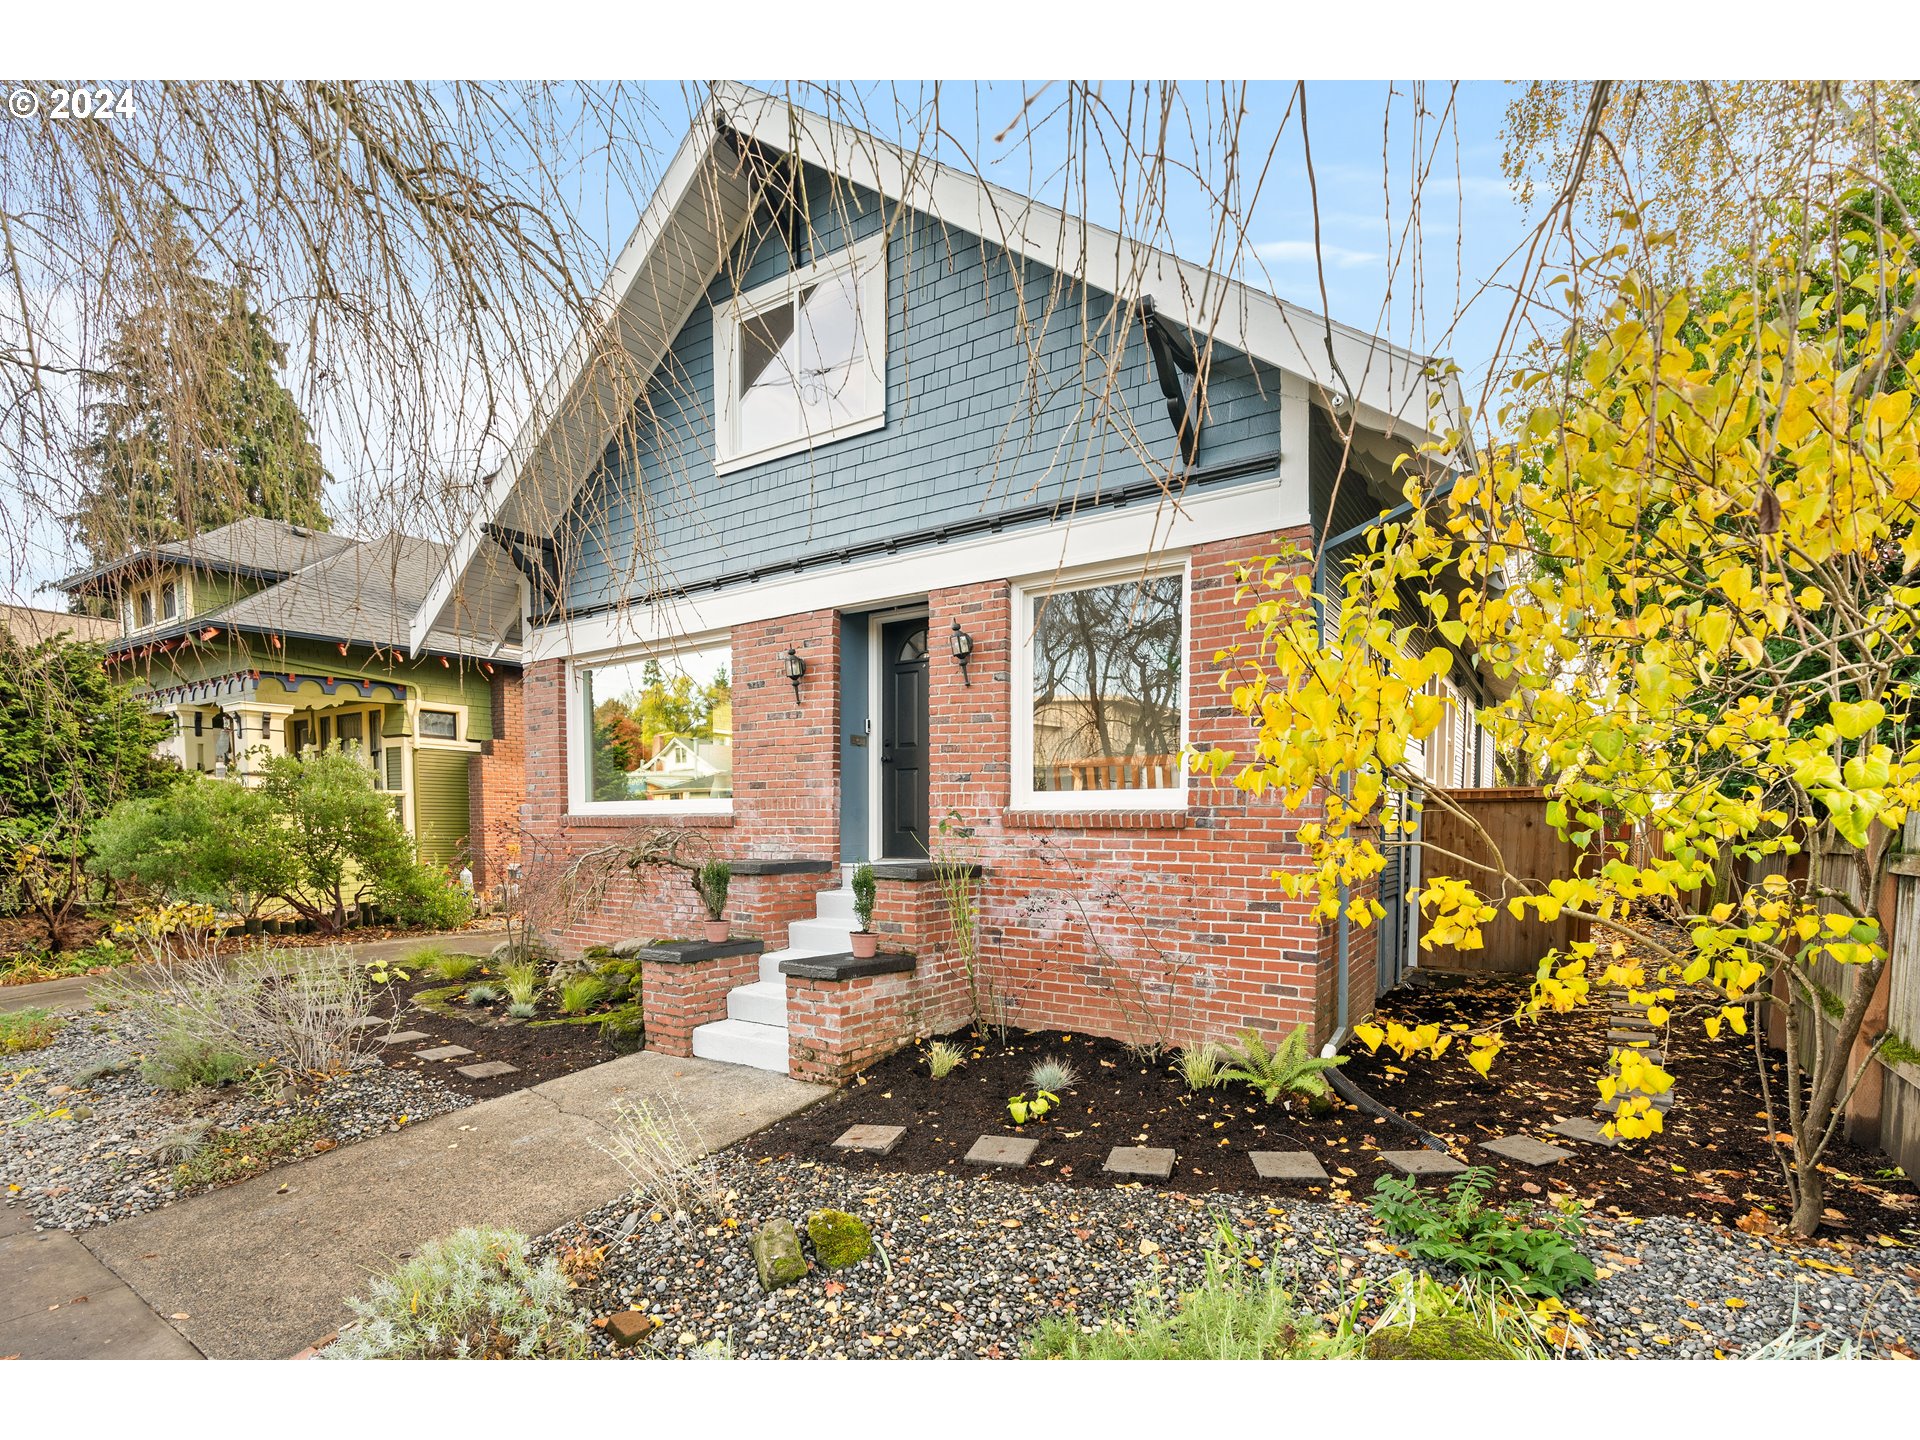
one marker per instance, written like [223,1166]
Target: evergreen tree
[189,424]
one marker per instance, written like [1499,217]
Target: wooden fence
[1515,820]
[1885,1110]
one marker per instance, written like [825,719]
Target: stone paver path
[442,1052]
[871,1139]
[1147,1162]
[1526,1150]
[487,1069]
[263,1268]
[1287,1165]
[1588,1132]
[1422,1162]
[1009,1152]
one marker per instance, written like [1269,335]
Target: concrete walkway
[262,1269]
[75,992]
[57,1302]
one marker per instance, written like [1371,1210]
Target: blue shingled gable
[996,402]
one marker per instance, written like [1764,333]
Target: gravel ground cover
[967,1265]
[97,1163]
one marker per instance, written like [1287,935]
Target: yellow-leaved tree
[1709,501]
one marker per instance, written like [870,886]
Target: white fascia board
[1163,531]
[680,176]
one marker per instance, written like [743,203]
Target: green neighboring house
[263,638]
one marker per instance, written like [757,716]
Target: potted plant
[865,943]
[712,880]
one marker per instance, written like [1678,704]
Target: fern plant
[1287,1069]
[1480,1239]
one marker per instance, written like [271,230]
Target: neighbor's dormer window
[803,361]
[145,604]
[169,600]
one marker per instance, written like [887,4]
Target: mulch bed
[1713,1161]
[542,1052]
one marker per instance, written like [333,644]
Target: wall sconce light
[963,651]
[796,667]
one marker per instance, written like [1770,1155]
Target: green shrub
[865,890]
[713,880]
[581,993]
[471,1296]
[185,1058]
[1287,1069]
[28,1029]
[1479,1240]
[224,1156]
[839,1239]
[1234,1314]
[425,897]
[208,840]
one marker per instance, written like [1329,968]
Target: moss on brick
[839,1239]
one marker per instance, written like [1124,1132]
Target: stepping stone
[1422,1162]
[1526,1150]
[487,1069]
[1143,1160]
[1006,1150]
[406,1037]
[367,1022]
[1287,1165]
[442,1052]
[872,1139]
[1629,1037]
[1584,1130]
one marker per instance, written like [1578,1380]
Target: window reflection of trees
[1106,684]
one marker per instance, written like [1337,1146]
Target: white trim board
[1162,531]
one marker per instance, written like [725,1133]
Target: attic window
[169,600]
[802,362]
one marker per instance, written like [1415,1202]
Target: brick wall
[1140,925]
[497,780]
[677,998]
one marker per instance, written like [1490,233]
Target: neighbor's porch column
[259,734]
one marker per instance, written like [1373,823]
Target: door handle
[886,754]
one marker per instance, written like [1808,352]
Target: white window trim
[1025,797]
[577,801]
[868,261]
[460,740]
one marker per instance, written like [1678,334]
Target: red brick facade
[497,782]
[677,999]
[1143,925]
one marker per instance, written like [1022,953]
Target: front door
[903,739]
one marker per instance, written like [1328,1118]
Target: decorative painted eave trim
[243,683]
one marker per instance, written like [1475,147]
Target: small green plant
[864,892]
[1200,1065]
[1478,1239]
[712,880]
[184,1060]
[471,1296]
[1425,1319]
[1052,1075]
[178,1147]
[1240,1311]
[1022,1109]
[481,995]
[522,980]
[943,1059]
[523,1010]
[388,972]
[228,1155]
[30,1029]
[105,1070]
[456,968]
[1286,1069]
[580,993]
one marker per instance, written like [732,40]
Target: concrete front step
[738,1042]
[835,904]
[822,937]
[762,1004]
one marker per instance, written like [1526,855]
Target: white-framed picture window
[802,361]
[653,731]
[1100,712]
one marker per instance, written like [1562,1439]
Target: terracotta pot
[718,931]
[865,945]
